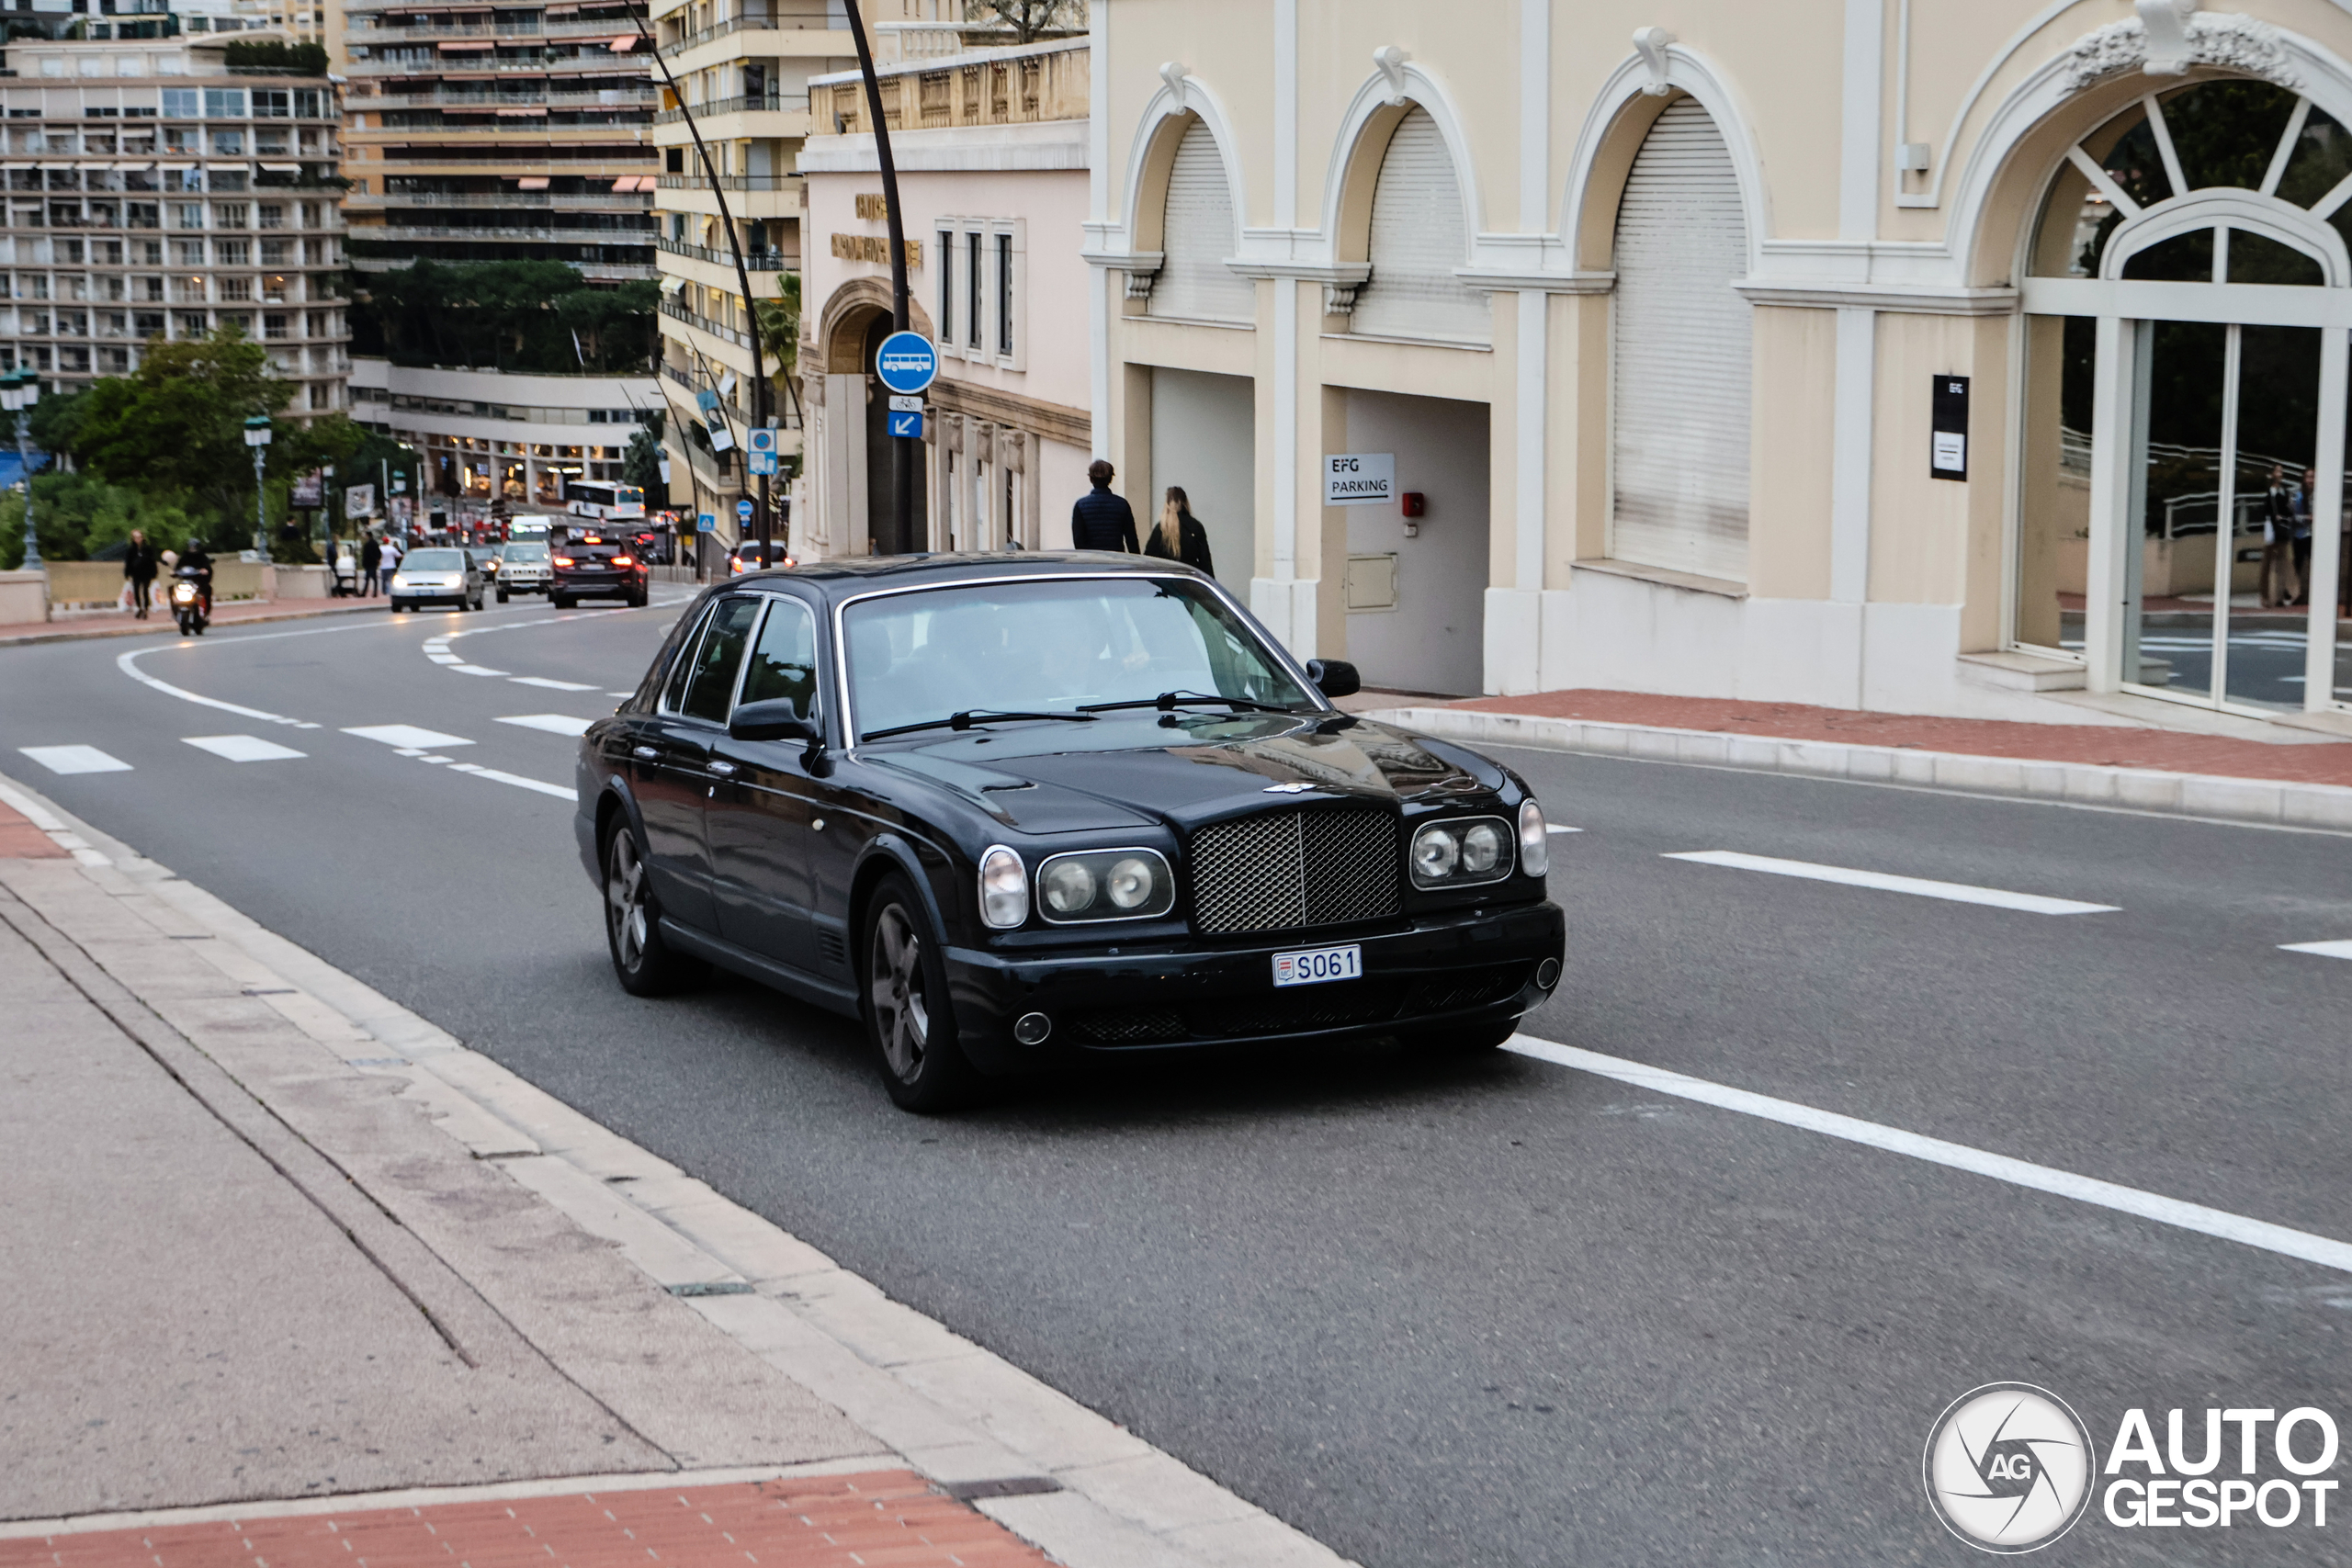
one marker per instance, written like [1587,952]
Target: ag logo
[2008,1468]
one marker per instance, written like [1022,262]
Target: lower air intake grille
[1288,870]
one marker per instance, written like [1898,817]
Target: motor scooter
[191,605]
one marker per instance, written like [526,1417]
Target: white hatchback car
[437,577]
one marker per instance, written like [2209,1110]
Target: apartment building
[154,191]
[510,134]
[488,436]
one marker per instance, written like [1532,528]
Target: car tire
[501,597]
[1459,1039]
[644,963]
[558,600]
[903,998]
[637,601]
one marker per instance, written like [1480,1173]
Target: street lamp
[19,389]
[257,437]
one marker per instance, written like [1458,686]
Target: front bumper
[1466,968]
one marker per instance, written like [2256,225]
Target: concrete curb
[63,633]
[1086,1490]
[2273,802]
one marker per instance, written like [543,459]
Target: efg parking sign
[1359,478]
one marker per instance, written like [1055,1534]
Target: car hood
[1132,769]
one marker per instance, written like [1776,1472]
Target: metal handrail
[772,103]
[730,181]
[756,261]
[817,20]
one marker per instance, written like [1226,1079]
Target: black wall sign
[1947,457]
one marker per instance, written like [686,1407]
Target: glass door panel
[2266,631]
[2178,480]
[2054,511]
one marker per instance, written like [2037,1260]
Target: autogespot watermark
[2011,1468]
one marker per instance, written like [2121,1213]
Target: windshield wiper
[969,717]
[1168,700]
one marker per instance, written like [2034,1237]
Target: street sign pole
[903,450]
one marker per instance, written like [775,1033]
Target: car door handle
[645,753]
[723,768]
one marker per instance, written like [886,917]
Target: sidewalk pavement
[237,612]
[293,1278]
[2260,773]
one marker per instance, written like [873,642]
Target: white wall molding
[1889,296]
[1855,407]
[1862,120]
[1534,115]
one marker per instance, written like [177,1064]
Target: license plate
[1314,966]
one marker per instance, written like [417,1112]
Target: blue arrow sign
[909,425]
[907,363]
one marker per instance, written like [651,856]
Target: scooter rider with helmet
[196,561]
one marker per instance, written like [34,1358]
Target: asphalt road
[1501,1312]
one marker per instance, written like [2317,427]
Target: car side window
[719,657]
[673,695]
[784,663]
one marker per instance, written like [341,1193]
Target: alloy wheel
[895,981]
[625,901]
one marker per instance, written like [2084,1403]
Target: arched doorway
[858,453]
[2189,291]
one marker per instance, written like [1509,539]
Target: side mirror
[1334,677]
[777,720]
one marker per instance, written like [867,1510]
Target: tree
[1029,18]
[177,423]
[641,464]
[532,316]
[780,333]
[274,54]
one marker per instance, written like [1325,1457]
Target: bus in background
[604,501]
[532,526]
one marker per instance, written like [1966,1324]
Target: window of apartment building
[227,144]
[113,323]
[67,251]
[179,142]
[315,324]
[229,214]
[227,180]
[273,288]
[234,252]
[307,103]
[272,102]
[191,323]
[322,395]
[149,252]
[276,252]
[32,321]
[1004,281]
[183,103]
[114,361]
[74,286]
[947,253]
[142,215]
[240,319]
[973,256]
[147,324]
[73,361]
[35,285]
[235,289]
[277,324]
[270,142]
[269,215]
[187,215]
[224,103]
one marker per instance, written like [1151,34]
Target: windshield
[527,552]
[1052,646]
[433,560]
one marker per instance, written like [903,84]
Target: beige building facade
[1864,353]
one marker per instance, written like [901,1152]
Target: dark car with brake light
[1004,811]
[596,565]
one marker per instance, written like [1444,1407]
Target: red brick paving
[19,839]
[882,1520]
[2167,750]
[120,622]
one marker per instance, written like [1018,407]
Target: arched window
[1681,354]
[1197,233]
[1418,239]
[2184,370]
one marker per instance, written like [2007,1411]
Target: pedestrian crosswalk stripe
[553,723]
[242,748]
[550,683]
[406,736]
[74,760]
[2323,949]
[475,670]
[518,781]
[1953,892]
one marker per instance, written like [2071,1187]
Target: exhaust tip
[1033,1028]
[1547,973]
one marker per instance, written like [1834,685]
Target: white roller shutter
[1418,239]
[1198,233]
[1682,347]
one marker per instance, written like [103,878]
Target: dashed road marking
[242,748]
[560,792]
[407,737]
[1952,892]
[474,669]
[548,682]
[1556,827]
[553,723]
[75,760]
[2323,949]
[2323,1250]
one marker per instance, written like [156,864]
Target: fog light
[1547,973]
[1033,1027]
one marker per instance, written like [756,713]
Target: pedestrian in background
[139,564]
[1177,536]
[391,560]
[2278,542]
[1102,521]
[2303,535]
[371,556]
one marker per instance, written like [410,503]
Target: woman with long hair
[1177,536]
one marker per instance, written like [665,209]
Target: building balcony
[643,96]
[485,64]
[731,182]
[1023,86]
[753,261]
[774,103]
[719,330]
[597,202]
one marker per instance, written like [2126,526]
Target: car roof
[847,576]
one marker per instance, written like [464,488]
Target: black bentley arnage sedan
[1005,807]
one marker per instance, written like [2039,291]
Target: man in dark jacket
[139,563]
[372,557]
[1102,521]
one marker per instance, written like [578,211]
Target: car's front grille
[1291,870]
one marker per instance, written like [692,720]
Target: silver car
[437,575]
[522,568]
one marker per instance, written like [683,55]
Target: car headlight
[1107,884]
[1462,852]
[400,579]
[1004,889]
[1535,839]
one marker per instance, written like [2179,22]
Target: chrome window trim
[1037,900]
[1503,872]
[841,607]
[772,607]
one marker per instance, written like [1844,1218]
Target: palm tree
[780,330]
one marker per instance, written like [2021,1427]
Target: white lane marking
[443,657]
[559,791]
[2323,949]
[474,669]
[548,682]
[407,737]
[553,723]
[2323,1250]
[620,693]
[74,760]
[1955,892]
[1556,827]
[242,748]
[129,664]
